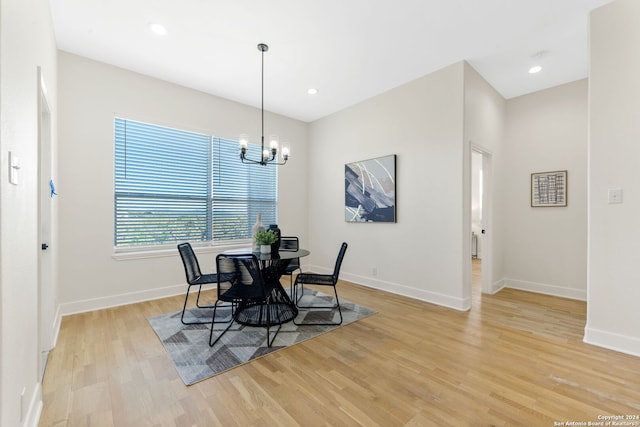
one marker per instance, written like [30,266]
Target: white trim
[153,120]
[612,341]
[32,417]
[497,287]
[83,306]
[486,240]
[124,254]
[121,299]
[55,328]
[460,304]
[543,288]
[480,148]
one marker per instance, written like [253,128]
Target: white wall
[91,93]
[26,42]
[614,150]
[422,254]
[547,246]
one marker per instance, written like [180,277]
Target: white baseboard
[55,328]
[121,299]
[460,304]
[93,304]
[497,287]
[612,341]
[32,417]
[543,288]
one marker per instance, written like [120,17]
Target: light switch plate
[615,195]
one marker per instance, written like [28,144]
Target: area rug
[188,345]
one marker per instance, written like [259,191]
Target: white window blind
[173,186]
[240,191]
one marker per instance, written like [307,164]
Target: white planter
[265,249]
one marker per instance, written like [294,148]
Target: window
[173,186]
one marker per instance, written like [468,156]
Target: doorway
[476,220]
[480,215]
[46,292]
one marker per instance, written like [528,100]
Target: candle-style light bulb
[286,151]
[273,144]
[244,142]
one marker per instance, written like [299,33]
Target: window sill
[166,251]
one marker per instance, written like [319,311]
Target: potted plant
[265,238]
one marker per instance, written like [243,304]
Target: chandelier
[269,155]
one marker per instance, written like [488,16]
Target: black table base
[281,310]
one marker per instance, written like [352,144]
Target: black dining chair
[290,243]
[322,280]
[194,278]
[241,283]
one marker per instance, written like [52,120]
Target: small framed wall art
[549,189]
[370,190]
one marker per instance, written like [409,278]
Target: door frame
[486,248]
[46,276]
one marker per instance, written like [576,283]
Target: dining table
[273,265]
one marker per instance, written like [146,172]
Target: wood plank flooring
[515,359]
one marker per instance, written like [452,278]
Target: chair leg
[213,322]
[298,298]
[270,342]
[198,299]
[184,308]
[311,307]
[335,291]
[291,285]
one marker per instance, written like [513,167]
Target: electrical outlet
[374,270]
[615,195]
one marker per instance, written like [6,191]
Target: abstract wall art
[370,190]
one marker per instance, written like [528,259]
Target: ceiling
[349,50]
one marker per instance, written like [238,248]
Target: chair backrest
[336,269]
[289,243]
[243,274]
[191,266]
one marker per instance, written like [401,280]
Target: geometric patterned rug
[193,358]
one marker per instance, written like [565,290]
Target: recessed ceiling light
[312,91]
[158,29]
[535,69]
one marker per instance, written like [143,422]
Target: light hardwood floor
[516,358]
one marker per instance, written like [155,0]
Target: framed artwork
[370,190]
[549,189]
